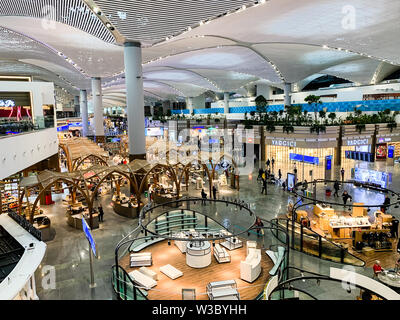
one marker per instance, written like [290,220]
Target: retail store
[310,156]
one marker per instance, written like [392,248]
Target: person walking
[336,186]
[279,174]
[346,197]
[214,191]
[264,187]
[268,163]
[273,163]
[260,173]
[204,197]
[101,213]
[342,174]
[284,185]
[386,204]
[259,224]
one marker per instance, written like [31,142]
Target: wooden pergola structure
[77,150]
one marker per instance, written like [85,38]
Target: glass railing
[307,241]
[124,287]
[13,126]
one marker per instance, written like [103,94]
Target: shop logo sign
[357,142]
[284,143]
[7,103]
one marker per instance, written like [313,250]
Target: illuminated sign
[383,140]
[7,103]
[284,143]
[357,142]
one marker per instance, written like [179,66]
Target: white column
[189,104]
[84,113]
[226,102]
[152,110]
[135,99]
[288,91]
[97,107]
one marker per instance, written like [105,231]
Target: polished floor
[68,251]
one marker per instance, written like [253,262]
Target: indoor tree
[314,101]
[332,117]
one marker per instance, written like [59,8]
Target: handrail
[318,236]
[127,278]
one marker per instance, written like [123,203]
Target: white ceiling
[276,41]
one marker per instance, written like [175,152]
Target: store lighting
[97,11]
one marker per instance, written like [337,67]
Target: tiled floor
[68,252]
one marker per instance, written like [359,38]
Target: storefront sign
[7,103]
[384,140]
[358,142]
[284,143]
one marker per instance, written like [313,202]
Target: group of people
[204,195]
[265,175]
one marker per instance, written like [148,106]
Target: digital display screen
[362,156]
[381,151]
[391,152]
[291,178]
[305,159]
[328,162]
[371,176]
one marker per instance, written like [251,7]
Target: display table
[181,244]
[75,221]
[198,254]
[342,227]
[124,210]
[390,278]
[231,243]
[164,198]
[319,209]
[223,290]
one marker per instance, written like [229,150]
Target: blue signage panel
[305,159]
[391,152]
[328,162]
[89,236]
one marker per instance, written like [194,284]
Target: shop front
[356,148]
[308,156]
[388,148]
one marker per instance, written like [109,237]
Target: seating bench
[149,273]
[141,259]
[171,272]
[142,280]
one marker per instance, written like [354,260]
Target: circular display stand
[125,211]
[75,221]
[198,254]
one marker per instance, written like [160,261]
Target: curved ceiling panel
[297,62]
[74,13]
[227,80]
[360,71]
[161,89]
[181,76]
[365,26]
[188,90]
[13,67]
[94,56]
[70,75]
[183,45]
[231,58]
